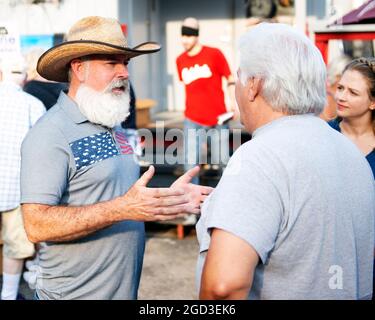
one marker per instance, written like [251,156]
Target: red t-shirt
[202,75]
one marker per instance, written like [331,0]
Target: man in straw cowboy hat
[81,198]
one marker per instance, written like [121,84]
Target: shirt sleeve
[37,110]
[44,166]
[246,204]
[179,68]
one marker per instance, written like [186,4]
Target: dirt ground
[168,267]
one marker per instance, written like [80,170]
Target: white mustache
[117,84]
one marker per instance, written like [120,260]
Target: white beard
[104,108]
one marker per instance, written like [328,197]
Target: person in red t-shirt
[201,69]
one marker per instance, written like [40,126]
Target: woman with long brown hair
[355,98]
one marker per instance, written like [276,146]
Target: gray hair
[292,69]
[86,60]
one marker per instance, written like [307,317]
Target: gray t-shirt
[68,161]
[302,195]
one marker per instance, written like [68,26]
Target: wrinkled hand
[196,194]
[155,204]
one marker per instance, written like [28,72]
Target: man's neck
[265,114]
[195,50]
[71,94]
[73,88]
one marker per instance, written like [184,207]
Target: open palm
[196,193]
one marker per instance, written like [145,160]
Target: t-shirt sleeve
[179,71]
[222,64]
[246,204]
[44,166]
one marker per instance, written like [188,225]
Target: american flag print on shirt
[93,149]
[124,146]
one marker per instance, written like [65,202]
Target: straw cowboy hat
[90,35]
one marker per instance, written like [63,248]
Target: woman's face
[352,95]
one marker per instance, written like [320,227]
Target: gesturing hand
[155,204]
[196,193]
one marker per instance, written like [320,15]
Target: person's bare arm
[229,268]
[60,224]
[232,97]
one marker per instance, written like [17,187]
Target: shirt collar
[71,108]
[283,119]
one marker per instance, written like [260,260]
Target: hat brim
[54,63]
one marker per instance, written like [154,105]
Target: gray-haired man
[293,215]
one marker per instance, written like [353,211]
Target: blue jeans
[197,138]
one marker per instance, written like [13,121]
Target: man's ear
[78,69]
[253,88]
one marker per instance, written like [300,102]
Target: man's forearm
[232,107]
[231,94]
[232,98]
[139,203]
[60,224]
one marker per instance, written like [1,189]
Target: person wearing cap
[201,69]
[19,111]
[80,195]
[293,216]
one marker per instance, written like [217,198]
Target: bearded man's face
[104,96]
